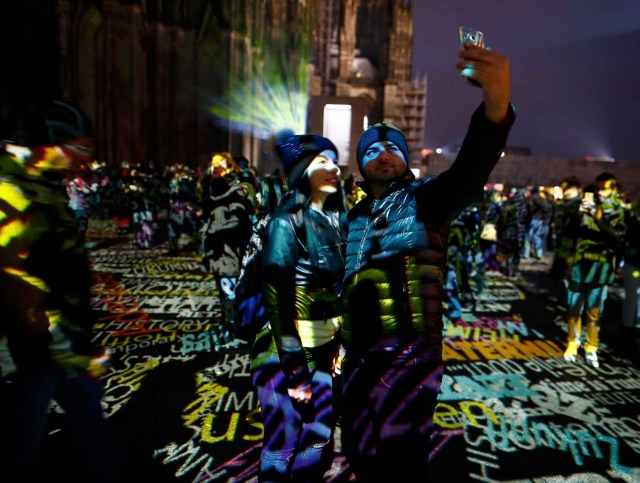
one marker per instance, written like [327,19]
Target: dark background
[575,72]
[575,68]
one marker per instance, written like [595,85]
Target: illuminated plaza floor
[511,408]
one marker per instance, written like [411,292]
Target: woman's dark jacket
[303,270]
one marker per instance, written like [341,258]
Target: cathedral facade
[173,82]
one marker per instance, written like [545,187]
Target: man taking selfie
[396,256]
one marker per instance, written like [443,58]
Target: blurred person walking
[46,349]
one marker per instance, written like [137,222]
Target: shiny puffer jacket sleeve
[463,183]
[298,285]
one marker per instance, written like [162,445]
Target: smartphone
[472,36]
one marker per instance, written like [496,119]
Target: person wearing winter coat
[396,260]
[46,318]
[295,358]
[228,223]
[593,265]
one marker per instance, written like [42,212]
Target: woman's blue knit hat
[297,151]
[383,131]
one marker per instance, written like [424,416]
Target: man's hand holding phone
[473,37]
[490,70]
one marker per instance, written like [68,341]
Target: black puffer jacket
[397,246]
[303,270]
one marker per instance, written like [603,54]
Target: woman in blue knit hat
[295,358]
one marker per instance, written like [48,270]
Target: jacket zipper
[364,236]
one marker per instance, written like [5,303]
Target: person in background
[46,349]
[566,224]
[396,259]
[490,211]
[296,357]
[352,192]
[272,187]
[631,278]
[184,210]
[459,292]
[511,229]
[593,266]
[228,213]
[538,231]
[80,189]
[142,213]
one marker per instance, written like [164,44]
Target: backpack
[250,314]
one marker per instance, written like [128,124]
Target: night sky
[575,68]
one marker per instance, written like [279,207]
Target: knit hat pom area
[297,151]
[382,131]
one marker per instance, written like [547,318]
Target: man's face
[570,192]
[606,189]
[383,161]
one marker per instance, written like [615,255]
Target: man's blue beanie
[382,131]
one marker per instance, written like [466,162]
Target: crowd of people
[360,273]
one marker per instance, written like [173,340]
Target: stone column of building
[404,97]
[146,74]
[143,75]
[88,75]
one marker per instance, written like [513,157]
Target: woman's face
[220,166]
[324,173]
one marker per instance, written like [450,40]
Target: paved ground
[180,397]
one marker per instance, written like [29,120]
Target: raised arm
[492,71]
